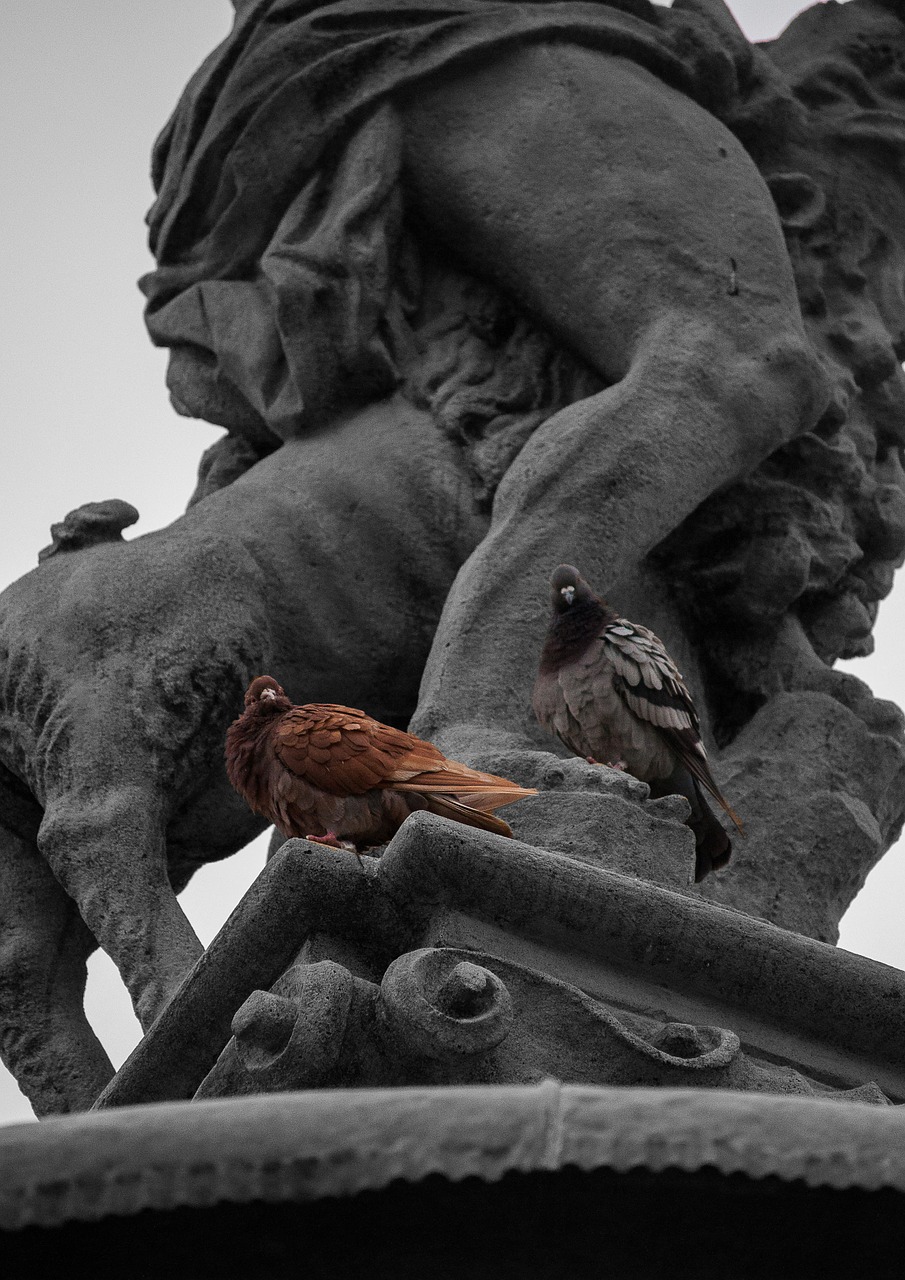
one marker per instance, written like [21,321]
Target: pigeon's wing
[648,680]
[343,751]
[651,685]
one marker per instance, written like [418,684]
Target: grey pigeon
[610,692]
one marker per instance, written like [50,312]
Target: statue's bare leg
[59,1062]
[634,226]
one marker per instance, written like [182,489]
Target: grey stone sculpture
[477,287]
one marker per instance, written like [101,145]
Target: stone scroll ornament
[444,1016]
[477,288]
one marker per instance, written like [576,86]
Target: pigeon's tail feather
[459,811]
[486,801]
[700,771]
[477,790]
[713,848]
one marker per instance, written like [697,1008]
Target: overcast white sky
[85,88]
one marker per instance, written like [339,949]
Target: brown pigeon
[608,689]
[336,776]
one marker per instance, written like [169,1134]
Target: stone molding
[309,1145]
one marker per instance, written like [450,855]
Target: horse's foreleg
[107,847]
[47,1042]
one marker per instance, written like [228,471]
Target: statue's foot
[517,757]
[585,809]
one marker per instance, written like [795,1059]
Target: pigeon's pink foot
[591,760]
[617,764]
[333,842]
[329,839]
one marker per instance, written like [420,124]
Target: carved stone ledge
[617,942]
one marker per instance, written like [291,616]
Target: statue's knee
[806,375]
[780,385]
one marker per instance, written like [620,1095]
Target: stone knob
[437,1004]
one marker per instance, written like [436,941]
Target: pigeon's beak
[567,593]
[268,695]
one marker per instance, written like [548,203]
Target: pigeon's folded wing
[651,685]
[648,679]
[343,751]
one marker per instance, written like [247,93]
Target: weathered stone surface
[845,804]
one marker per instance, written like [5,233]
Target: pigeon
[335,776]
[608,689]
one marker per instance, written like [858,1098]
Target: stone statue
[476,288]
